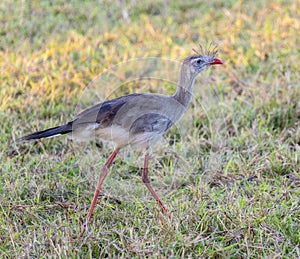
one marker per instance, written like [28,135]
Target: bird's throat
[185,87]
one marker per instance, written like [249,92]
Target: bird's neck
[184,87]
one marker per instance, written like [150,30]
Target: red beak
[216,61]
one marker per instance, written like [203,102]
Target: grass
[228,172]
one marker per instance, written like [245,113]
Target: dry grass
[229,171]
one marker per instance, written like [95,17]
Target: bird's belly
[121,137]
[116,134]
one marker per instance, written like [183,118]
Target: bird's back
[136,119]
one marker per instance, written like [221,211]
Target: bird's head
[200,62]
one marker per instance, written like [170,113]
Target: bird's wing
[147,129]
[103,113]
[151,123]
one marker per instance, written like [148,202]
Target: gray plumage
[134,119]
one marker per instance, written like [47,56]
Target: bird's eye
[199,61]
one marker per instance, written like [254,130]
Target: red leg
[146,181]
[103,173]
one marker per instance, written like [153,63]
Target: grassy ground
[229,172]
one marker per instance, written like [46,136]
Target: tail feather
[64,129]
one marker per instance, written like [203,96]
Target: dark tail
[64,129]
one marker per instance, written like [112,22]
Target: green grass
[229,172]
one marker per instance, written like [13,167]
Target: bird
[138,120]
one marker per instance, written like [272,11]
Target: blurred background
[229,170]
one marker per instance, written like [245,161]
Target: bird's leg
[103,173]
[146,181]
